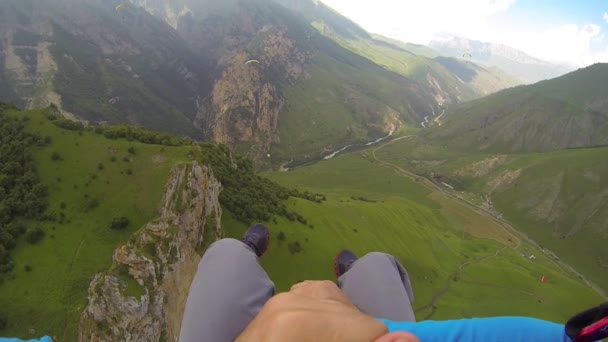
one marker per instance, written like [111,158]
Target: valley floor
[463,261]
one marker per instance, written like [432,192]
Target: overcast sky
[569,31]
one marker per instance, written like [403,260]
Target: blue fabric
[496,329]
[13,339]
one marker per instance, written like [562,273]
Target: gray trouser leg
[379,286]
[228,290]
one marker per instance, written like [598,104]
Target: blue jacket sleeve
[496,329]
[13,339]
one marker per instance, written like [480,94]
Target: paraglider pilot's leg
[228,290]
[380,287]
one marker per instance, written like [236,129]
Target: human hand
[316,311]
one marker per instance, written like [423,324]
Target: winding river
[290,166]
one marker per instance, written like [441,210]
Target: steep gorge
[142,297]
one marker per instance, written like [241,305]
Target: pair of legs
[231,287]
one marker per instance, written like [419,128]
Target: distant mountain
[305,97]
[98,65]
[319,82]
[417,49]
[567,112]
[440,77]
[515,62]
[186,73]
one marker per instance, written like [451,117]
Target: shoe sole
[267,243]
[336,272]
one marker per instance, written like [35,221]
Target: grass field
[462,264]
[50,297]
[558,198]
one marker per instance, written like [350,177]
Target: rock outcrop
[142,297]
[246,99]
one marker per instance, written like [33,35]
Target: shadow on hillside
[465,71]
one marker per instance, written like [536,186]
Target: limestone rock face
[142,297]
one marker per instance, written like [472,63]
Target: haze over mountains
[515,62]
[180,67]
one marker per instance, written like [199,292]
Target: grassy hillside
[569,111]
[416,62]
[420,50]
[451,252]
[371,207]
[102,184]
[341,103]
[559,198]
[92,181]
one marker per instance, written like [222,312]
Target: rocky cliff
[142,297]
[245,102]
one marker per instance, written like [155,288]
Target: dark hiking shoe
[257,237]
[343,261]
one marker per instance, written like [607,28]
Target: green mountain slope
[93,177]
[559,198]
[91,181]
[183,70]
[84,180]
[421,50]
[568,112]
[98,65]
[259,108]
[371,207]
[491,148]
[439,76]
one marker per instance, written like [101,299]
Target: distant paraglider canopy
[121,6]
[251,61]
[466,55]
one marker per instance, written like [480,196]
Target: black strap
[584,319]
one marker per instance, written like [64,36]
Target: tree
[55,156]
[3,321]
[131,150]
[90,203]
[281,236]
[7,240]
[100,166]
[294,247]
[35,235]
[119,223]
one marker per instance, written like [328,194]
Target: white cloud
[572,44]
[605,16]
[419,21]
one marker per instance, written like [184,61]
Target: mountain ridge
[181,67]
[567,112]
[513,61]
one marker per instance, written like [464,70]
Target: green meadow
[94,180]
[558,198]
[462,264]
